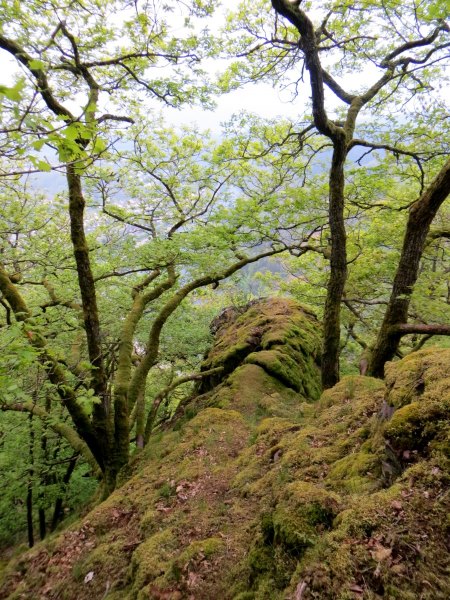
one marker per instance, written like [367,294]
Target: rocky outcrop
[262,491]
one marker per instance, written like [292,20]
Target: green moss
[260,492]
[355,473]
[151,560]
[196,551]
[415,425]
[417,374]
[286,340]
[106,559]
[303,511]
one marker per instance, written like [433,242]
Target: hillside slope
[260,490]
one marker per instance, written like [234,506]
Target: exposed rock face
[260,493]
[277,335]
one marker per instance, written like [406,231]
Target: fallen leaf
[398,569]
[192,579]
[381,553]
[89,577]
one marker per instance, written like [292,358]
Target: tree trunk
[338,267]
[109,480]
[29,501]
[101,418]
[140,418]
[57,511]
[42,523]
[421,215]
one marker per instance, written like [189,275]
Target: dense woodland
[109,284]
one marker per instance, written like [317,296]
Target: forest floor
[259,489]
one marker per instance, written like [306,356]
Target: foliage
[108,285]
[256,494]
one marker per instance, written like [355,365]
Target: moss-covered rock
[256,492]
[279,335]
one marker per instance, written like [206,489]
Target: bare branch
[407,328]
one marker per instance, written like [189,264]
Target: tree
[68,53]
[164,219]
[394,325]
[401,46]
[156,215]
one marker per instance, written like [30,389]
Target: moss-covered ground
[261,491]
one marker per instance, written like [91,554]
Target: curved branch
[163,393]
[41,78]
[141,372]
[414,44]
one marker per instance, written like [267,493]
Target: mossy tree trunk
[338,264]
[101,418]
[421,215]
[342,138]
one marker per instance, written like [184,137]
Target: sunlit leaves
[13,93]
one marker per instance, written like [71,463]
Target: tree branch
[41,78]
[407,328]
[163,393]
[53,369]
[141,372]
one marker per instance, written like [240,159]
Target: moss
[280,365]
[260,493]
[415,425]
[355,472]
[151,560]
[354,390]
[303,511]
[106,559]
[418,373]
[198,550]
[278,335]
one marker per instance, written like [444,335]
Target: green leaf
[99,146]
[13,93]
[44,166]
[37,145]
[71,132]
[36,65]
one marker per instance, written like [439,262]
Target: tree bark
[421,215]
[29,501]
[90,310]
[429,330]
[57,511]
[338,267]
[124,367]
